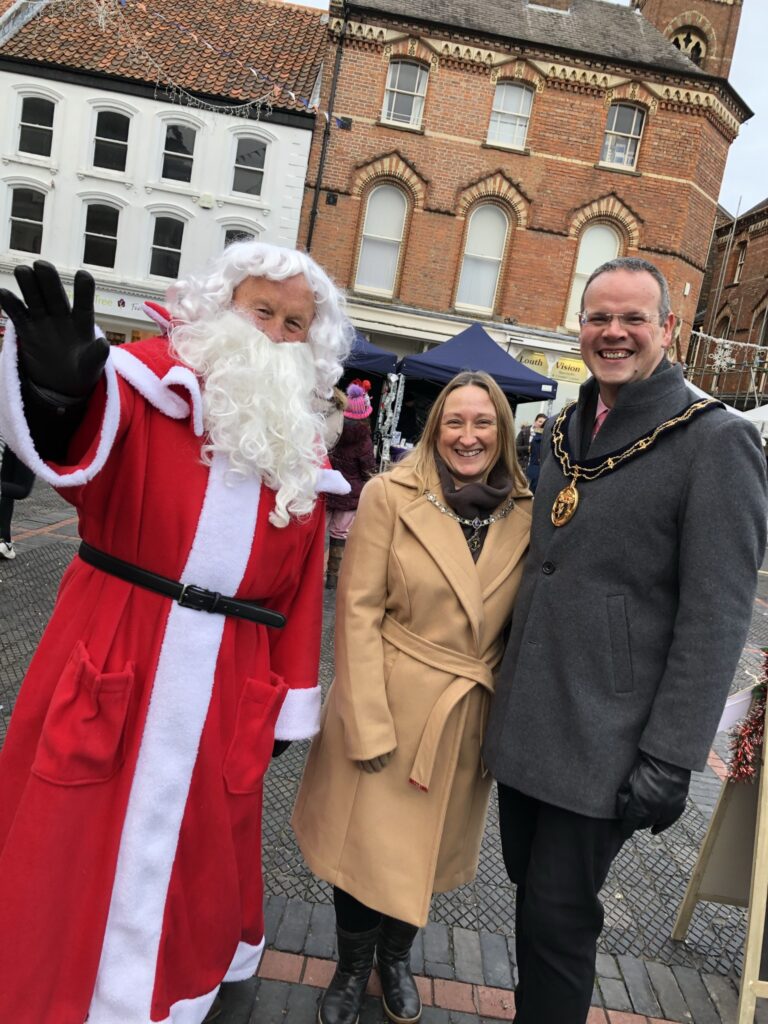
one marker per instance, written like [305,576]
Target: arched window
[598,244]
[405,92]
[36,126]
[166,246]
[178,152]
[237,235]
[249,166]
[100,235]
[382,239]
[691,42]
[483,252]
[510,114]
[622,135]
[27,209]
[723,328]
[110,143]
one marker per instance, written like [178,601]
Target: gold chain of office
[567,501]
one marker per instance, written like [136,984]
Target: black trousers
[559,861]
[6,515]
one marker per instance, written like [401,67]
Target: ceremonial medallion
[565,505]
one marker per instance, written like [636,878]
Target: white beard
[257,406]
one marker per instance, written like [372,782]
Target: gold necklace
[477,523]
[567,500]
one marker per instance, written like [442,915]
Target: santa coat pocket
[83,736]
[249,752]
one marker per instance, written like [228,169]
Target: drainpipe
[327,132]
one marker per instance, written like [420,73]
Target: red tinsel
[747,736]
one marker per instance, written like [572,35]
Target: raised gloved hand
[279,747]
[652,796]
[58,353]
[375,764]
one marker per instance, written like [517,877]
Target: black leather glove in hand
[653,795]
[58,353]
[280,747]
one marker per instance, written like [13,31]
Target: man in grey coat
[649,526]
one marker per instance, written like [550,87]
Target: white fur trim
[245,962]
[157,391]
[157,313]
[177,711]
[299,716]
[187,1011]
[330,481]
[14,428]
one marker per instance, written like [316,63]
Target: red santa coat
[131,776]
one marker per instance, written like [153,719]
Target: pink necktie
[599,420]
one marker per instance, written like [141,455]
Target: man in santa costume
[185,638]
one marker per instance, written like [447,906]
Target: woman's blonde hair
[422,459]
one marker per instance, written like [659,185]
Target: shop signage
[569,368]
[535,361]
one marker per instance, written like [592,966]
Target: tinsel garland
[747,736]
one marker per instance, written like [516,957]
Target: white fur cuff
[299,716]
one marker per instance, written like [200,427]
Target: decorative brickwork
[496,186]
[391,166]
[608,208]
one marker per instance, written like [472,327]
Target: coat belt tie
[469,672]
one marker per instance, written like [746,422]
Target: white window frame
[580,277]
[176,213]
[741,258]
[166,121]
[629,162]
[33,186]
[419,96]
[387,292]
[498,115]
[118,207]
[245,228]
[481,257]
[115,142]
[256,137]
[25,91]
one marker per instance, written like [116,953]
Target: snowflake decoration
[721,359]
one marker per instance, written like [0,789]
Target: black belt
[187,594]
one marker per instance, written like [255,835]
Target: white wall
[207,204]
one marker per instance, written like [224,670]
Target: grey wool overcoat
[418,639]
[631,617]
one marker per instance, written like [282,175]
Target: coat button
[548,568]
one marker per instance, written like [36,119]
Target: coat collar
[442,537]
[640,406]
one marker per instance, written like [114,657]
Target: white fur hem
[245,962]
[14,428]
[299,716]
[158,392]
[330,481]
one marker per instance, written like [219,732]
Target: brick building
[483,156]
[730,355]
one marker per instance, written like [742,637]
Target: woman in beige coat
[394,796]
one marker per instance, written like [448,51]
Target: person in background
[392,804]
[332,410]
[16,482]
[649,527]
[523,445]
[534,456]
[352,457]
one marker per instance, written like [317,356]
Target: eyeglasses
[625,319]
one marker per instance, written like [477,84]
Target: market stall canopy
[369,358]
[474,349]
[759,417]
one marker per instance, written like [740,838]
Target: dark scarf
[475,499]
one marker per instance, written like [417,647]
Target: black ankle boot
[344,996]
[402,1002]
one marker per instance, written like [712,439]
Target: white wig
[330,334]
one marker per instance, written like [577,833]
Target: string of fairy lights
[113,16]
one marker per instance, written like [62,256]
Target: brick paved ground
[465,956]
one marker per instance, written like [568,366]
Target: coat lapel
[505,544]
[443,539]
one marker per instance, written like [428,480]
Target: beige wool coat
[418,638]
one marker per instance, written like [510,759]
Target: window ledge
[29,160]
[522,150]
[476,311]
[102,174]
[618,168]
[373,293]
[241,199]
[400,127]
[167,186]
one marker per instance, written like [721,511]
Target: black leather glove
[58,353]
[60,361]
[280,747]
[652,796]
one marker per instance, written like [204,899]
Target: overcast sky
[745,182]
